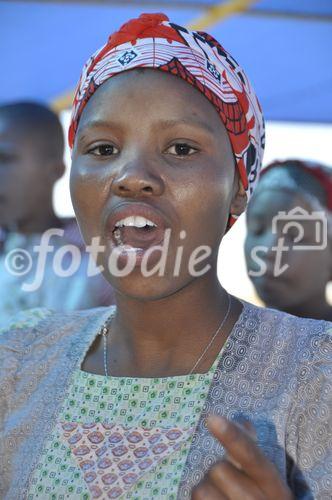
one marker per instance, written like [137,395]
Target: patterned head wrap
[151,41]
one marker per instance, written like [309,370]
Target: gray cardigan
[276,370]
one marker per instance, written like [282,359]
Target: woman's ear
[59,170]
[329,239]
[239,201]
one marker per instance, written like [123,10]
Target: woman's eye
[104,150]
[181,149]
[256,229]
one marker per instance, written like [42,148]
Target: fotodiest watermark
[66,259]
[18,262]
[299,222]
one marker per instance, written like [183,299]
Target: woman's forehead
[271,200]
[157,95]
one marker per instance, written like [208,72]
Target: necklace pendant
[104,330]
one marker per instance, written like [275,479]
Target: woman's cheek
[86,205]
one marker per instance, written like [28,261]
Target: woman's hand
[245,474]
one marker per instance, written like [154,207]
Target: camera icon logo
[295,220]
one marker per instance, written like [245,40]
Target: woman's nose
[135,180]
[272,242]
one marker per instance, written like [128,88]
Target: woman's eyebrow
[97,123]
[193,122]
[164,124]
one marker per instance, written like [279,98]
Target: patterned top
[275,370]
[121,437]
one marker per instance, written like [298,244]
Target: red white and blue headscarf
[152,41]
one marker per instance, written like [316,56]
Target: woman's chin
[137,287]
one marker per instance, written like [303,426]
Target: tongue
[141,237]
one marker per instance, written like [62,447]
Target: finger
[207,491]
[250,429]
[234,483]
[238,443]
[242,448]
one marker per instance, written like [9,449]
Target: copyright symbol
[18,262]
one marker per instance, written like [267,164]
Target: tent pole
[212,16]
[219,12]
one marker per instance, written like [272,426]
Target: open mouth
[137,232]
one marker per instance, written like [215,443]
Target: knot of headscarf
[146,26]
[152,41]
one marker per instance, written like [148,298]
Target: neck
[169,334]
[40,222]
[314,307]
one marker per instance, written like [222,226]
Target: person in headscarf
[31,161]
[292,276]
[126,402]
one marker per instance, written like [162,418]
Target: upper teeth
[135,221]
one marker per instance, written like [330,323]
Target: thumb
[216,425]
[248,427]
[250,430]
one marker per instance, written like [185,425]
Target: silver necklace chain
[214,335]
[105,330]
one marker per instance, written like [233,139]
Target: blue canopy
[285,47]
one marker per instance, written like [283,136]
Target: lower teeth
[117,236]
[128,248]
